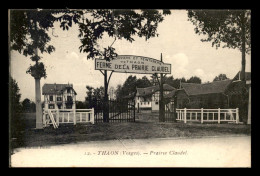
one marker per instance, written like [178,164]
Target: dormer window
[51,98]
[68,90]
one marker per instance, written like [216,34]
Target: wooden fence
[208,115]
[66,116]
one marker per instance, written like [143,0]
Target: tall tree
[228,27]
[26,104]
[143,82]
[118,91]
[231,28]
[220,77]
[27,36]
[194,79]
[15,109]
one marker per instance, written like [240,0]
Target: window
[141,103]
[144,103]
[156,102]
[68,90]
[59,99]
[68,106]
[148,102]
[51,106]
[51,98]
[69,98]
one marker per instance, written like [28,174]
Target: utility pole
[161,99]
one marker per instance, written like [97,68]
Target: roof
[171,94]
[55,88]
[207,88]
[247,75]
[150,90]
[130,96]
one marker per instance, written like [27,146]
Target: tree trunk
[243,68]
[39,123]
[244,101]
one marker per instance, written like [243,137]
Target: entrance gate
[119,111]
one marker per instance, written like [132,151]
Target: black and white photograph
[137,88]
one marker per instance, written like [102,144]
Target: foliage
[28,32]
[37,70]
[80,105]
[16,124]
[94,94]
[194,79]
[14,93]
[175,82]
[28,105]
[220,77]
[119,24]
[223,26]
[232,28]
[29,29]
[130,85]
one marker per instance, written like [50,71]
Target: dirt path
[231,151]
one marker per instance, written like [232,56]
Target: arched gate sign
[131,64]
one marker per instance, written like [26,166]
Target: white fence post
[201,118]
[74,117]
[93,116]
[58,117]
[185,115]
[237,116]
[218,115]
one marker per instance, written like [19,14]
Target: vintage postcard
[129,88]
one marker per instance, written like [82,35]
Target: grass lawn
[146,126]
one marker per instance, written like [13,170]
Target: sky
[177,42]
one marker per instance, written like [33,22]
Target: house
[148,98]
[208,95]
[59,96]
[217,94]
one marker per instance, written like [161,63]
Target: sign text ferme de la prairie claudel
[133,64]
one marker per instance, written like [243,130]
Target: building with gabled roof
[216,94]
[59,96]
[148,98]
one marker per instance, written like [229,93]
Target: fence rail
[67,116]
[208,115]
